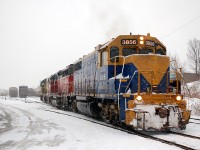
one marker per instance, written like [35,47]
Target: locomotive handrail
[115,75]
[179,70]
[131,80]
[177,80]
[120,80]
[185,84]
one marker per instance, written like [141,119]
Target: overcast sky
[40,37]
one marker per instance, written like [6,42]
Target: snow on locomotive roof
[148,55]
[101,46]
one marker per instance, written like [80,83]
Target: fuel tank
[87,106]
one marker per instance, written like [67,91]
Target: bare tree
[176,63]
[194,55]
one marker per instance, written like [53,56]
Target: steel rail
[134,132]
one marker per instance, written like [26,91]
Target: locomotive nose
[151,66]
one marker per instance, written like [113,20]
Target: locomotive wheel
[63,104]
[74,106]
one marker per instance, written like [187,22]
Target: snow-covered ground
[194,101]
[28,126]
[194,88]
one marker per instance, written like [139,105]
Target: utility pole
[5,94]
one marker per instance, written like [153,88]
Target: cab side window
[148,51]
[142,51]
[114,51]
[104,58]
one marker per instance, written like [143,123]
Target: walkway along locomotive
[126,80]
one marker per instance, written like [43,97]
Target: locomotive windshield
[129,51]
[145,51]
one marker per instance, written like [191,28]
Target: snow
[148,54]
[154,121]
[120,76]
[194,88]
[194,83]
[194,143]
[26,125]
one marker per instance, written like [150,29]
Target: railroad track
[185,135]
[195,121]
[134,132]
[26,100]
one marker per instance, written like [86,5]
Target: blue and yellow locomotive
[127,81]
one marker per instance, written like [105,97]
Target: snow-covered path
[27,126]
[24,130]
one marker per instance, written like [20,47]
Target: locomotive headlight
[178,98]
[141,38]
[141,42]
[139,98]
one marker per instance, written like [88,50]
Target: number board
[128,42]
[150,43]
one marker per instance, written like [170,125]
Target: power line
[181,27]
[184,38]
